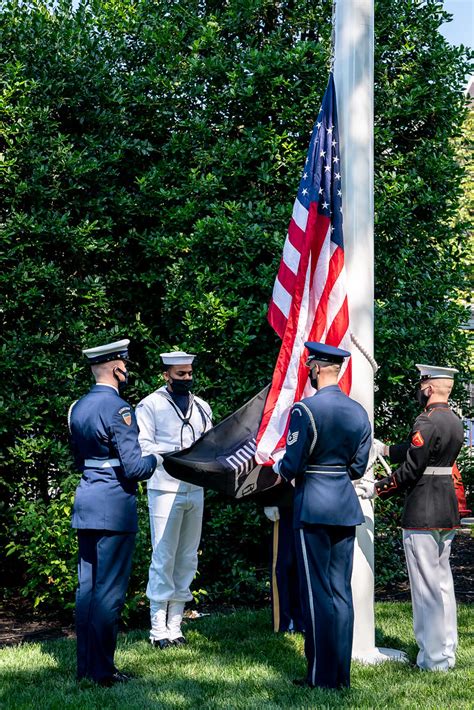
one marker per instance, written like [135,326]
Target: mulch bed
[19,624]
[462,566]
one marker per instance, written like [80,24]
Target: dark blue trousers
[285,589]
[325,555]
[105,560]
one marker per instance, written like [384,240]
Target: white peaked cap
[431,372]
[178,357]
[105,353]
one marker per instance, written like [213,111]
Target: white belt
[438,471]
[327,470]
[101,463]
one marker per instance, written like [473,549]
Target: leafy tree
[464,145]
[150,155]
[421,246]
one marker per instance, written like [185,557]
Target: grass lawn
[235,661]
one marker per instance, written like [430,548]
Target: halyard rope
[365,353]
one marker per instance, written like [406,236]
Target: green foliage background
[150,155]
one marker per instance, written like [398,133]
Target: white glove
[365,489]
[276,466]
[272,513]
[379,448]
[278,454]
[159,459]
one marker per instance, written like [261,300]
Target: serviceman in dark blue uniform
[327,447]
[285,594]
[104,436]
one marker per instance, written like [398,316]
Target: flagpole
[353,60]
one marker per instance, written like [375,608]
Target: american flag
[309,300]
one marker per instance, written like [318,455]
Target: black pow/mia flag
[224,457]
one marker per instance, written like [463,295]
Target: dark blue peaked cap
[106,353]
[326,353]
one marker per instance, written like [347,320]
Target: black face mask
[181,386]
[121,383]
[421,397]
[313,380]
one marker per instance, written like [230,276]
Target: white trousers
[432,594]
[175,524]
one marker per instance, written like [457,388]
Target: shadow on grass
[231,661]
[210,672]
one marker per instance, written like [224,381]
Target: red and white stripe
[309,302]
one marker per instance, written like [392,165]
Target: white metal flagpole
[353,76]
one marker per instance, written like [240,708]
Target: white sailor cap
[105,353]
[431,372]
[178,357]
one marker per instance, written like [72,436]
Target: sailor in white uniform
[171,419]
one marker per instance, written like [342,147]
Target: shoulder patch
[417,439]
[300,407]
[126,414]
[292,437]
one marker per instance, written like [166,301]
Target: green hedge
[150,155]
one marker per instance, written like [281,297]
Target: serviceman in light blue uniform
[104,437]
[327,447]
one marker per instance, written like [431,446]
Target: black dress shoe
[180,641]
[161,643]
[117,677]
[127,676]
[302,683]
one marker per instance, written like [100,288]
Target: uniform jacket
[103,427]
[435,440]
[164,428]
[327,430]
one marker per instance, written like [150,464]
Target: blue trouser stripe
[310,647]
[325,555]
